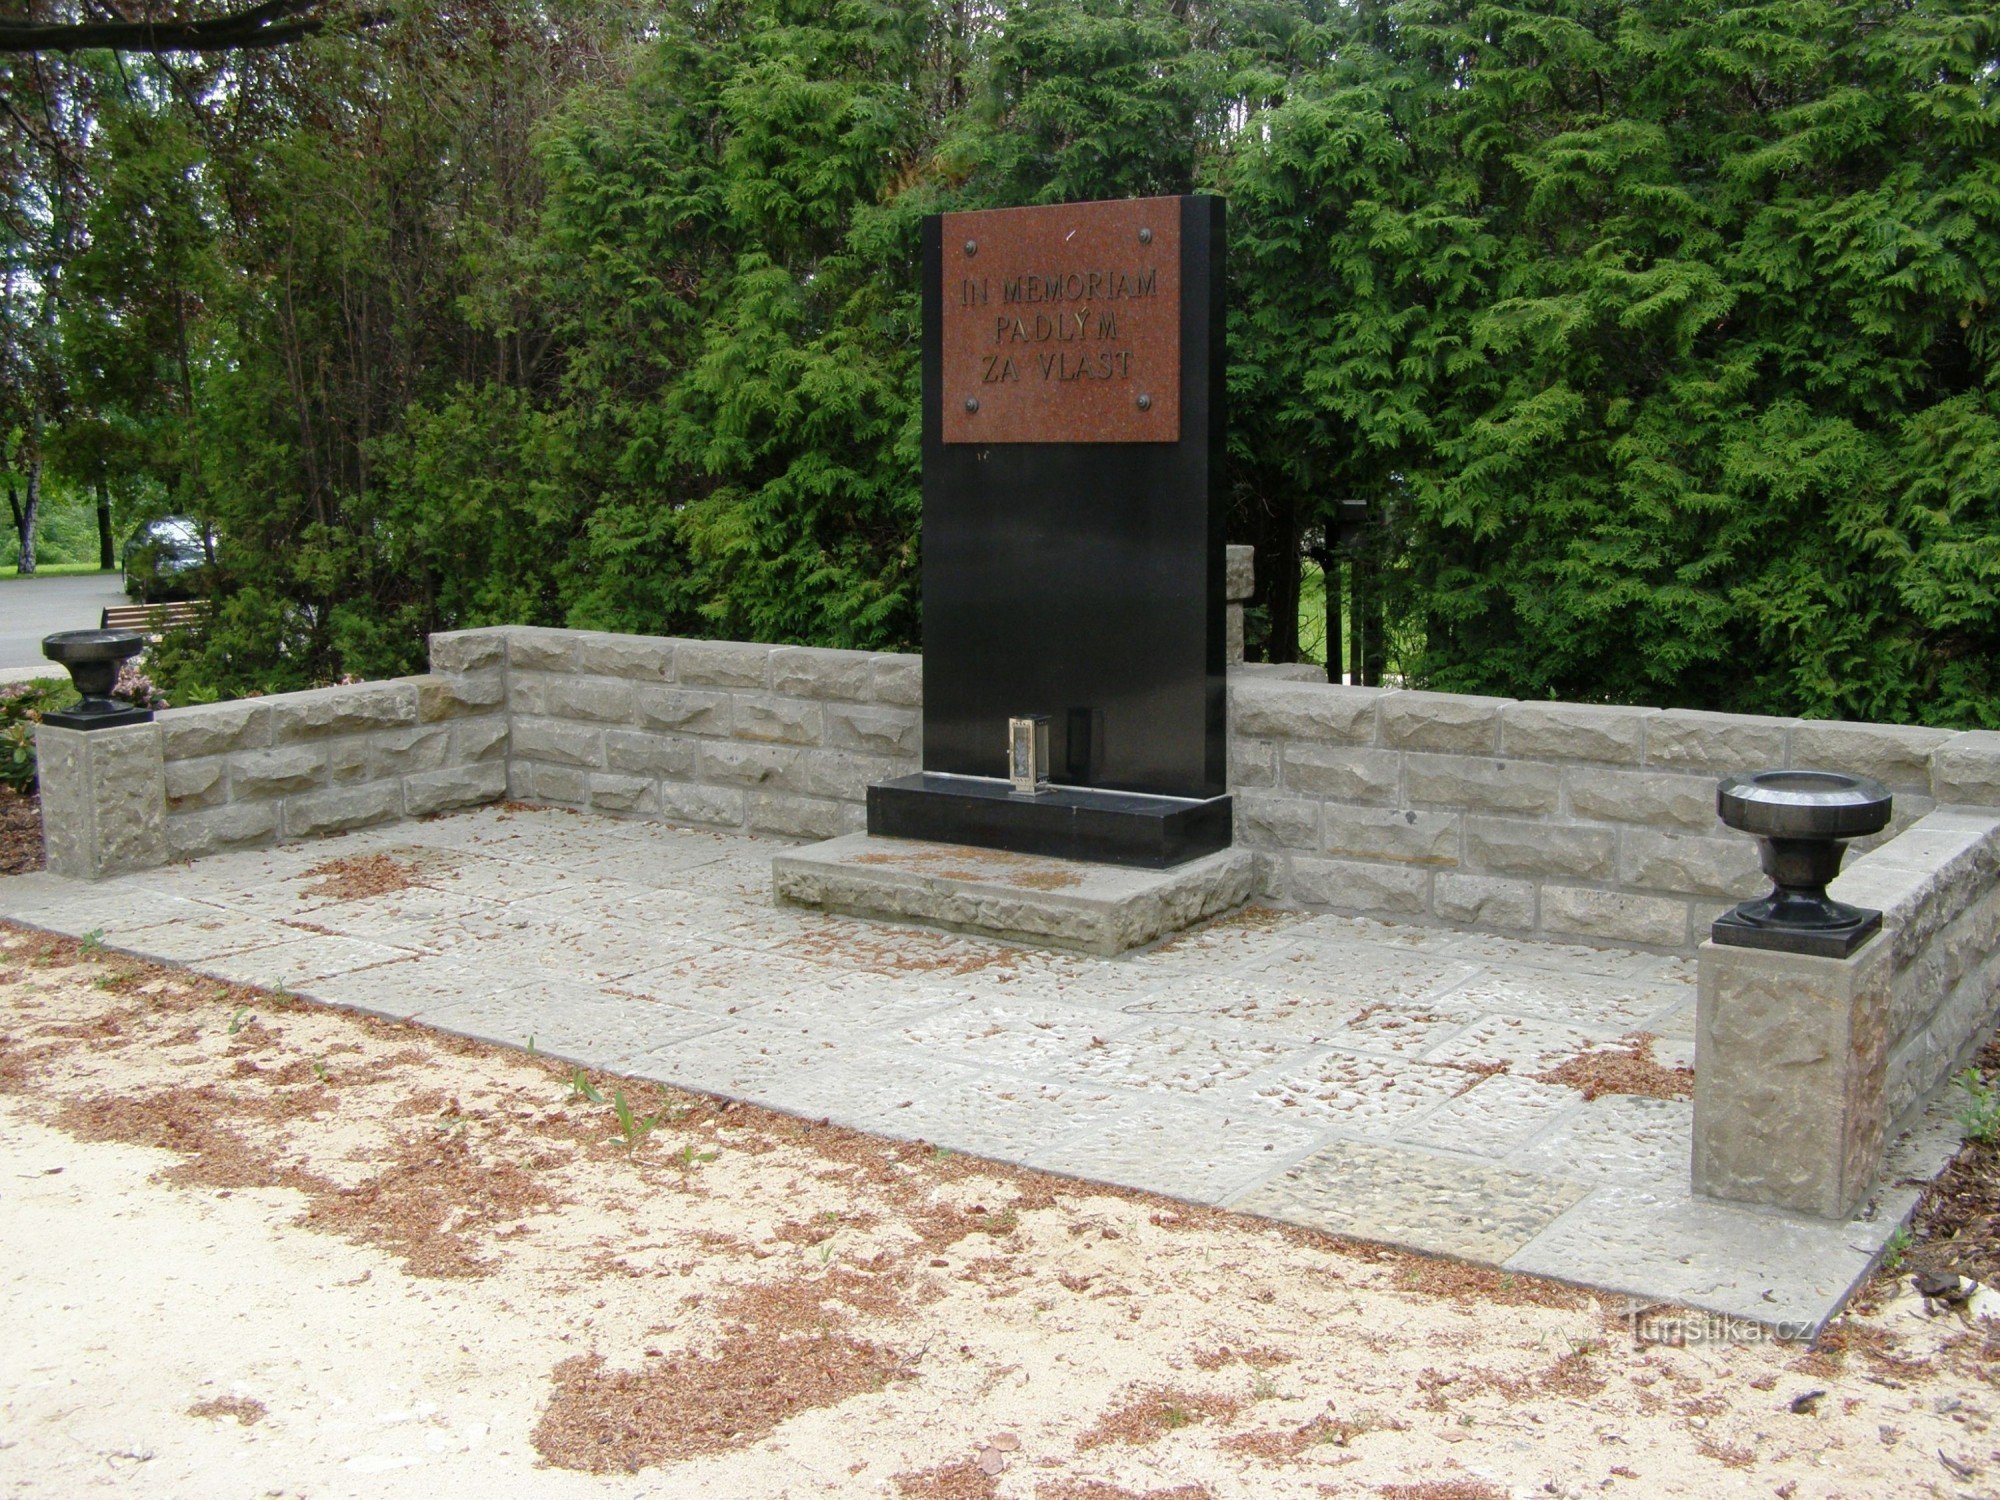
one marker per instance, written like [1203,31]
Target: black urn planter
[93,658]
[1805,819]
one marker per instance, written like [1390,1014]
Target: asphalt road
[31,608]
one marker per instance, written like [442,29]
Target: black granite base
[111,719]
[1821,942]
[1066,822]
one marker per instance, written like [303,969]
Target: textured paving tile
[1184,1152]
[576,1022]
[1010,1119]
[1563,958]
[1598,1003]
[1250,1005]
[1357,1094]
[1668,1245]
[1028,1037]
[1160,1056]
[1368,974]
[1525,1046]
[1402,1030]
[1616,1138]
[297,962]
[407,987]
[1497,1115]
[1410,1198]
[188,938]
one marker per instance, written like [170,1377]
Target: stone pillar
[1791,1052]
[1239,582]
[104,799]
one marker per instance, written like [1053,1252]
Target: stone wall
[764,739]
[1570,821]
[265,770]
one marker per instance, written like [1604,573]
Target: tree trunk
[27,515]
[106,553]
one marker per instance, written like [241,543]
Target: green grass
[52,570]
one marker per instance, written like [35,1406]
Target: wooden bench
[154,619]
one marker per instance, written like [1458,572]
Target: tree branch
[271,24]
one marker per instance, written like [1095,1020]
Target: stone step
[1020,898]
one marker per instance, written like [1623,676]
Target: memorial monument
[1074,626]
[1073,398]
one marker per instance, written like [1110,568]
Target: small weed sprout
[319,1069]
[635,1127]
[1896,1249]
[1978,1115]
[580,1087]
[239,1020]
[93,942]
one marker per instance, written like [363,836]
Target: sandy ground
[254,1247]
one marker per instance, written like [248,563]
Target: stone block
[1239,572]
[214,729]
[899,678]
[819,672]
[1656,797]
[1265,821]
[1614,916]
[348,759]
[639,754]
[1485,902]
[454,786]
[557,743]
[634,658]
[405,752]
[1575,731]
[1691,865]
[1303,711]
[1232,634]
[1253,763]
[277,773]
[732,763]
[1103,909]
[1348,885]
[1343,772]
[456,697]
[536,648]
[567,785]
[1482,783]
[691,802]
[593,700]
[1966,769]
[234,825]
[1719,744]
[800,817]
[729,664]
[1399,835]
[196,783]
[1519,847]
[1897,754]
[683,710]
[768,719]
[354,709]
[104,799]
[344,807]
[841,774]
[479,739]
[1790,1061]
[1457,723]
[622,794]
[468,650]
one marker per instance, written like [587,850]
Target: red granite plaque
[1062,324]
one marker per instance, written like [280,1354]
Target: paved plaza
[1384,1082]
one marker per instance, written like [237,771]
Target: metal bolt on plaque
[1028,754]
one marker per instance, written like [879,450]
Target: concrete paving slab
[1423,1201]
[1343,1073]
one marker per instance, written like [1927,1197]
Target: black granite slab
[1114,828]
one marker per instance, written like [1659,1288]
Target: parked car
[164,559]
